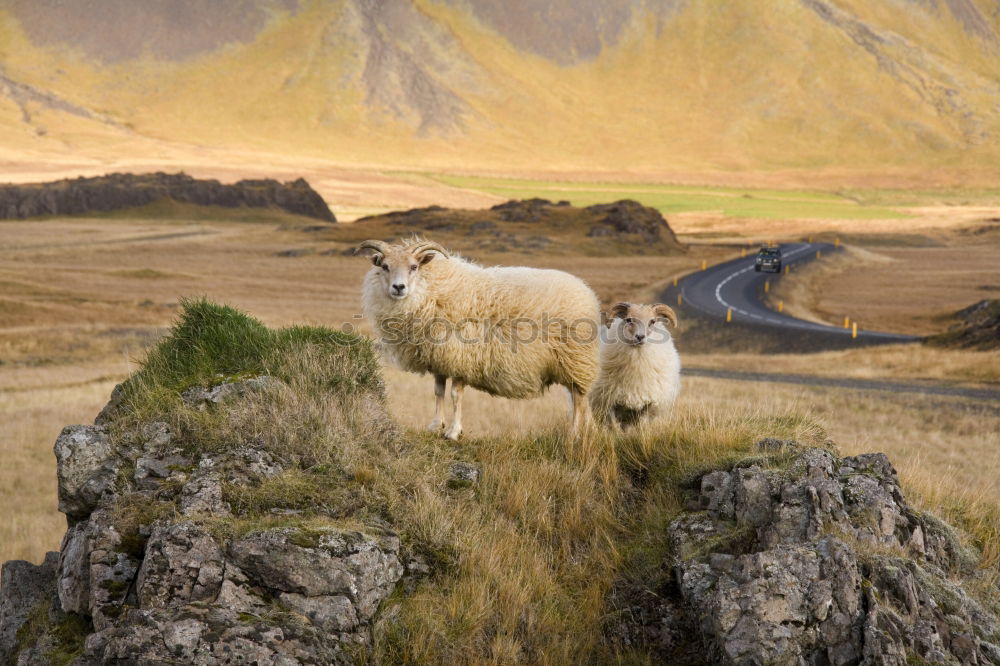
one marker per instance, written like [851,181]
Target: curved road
[734,284]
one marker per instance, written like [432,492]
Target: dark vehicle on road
[768,259]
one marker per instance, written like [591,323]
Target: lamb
[508,331]
[640,368]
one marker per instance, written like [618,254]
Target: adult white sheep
[640,368]
[508,331]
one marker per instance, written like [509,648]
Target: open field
[82,298]
[728,201]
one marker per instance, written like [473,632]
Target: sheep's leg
[437,425]
[455,431]
[581,411]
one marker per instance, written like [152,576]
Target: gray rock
[73,585]
[150,471]
[23,588]
[156,437]
[202,397]
[93,574]
[85,469]
[462,474]
[203,494]
[334,613]
[183,564]
[326,562]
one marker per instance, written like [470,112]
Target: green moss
[314,493]
[134,513]
[306,538]
[115,587]
[34,626]
[70,636]
[61,640]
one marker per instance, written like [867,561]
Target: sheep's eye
[385,267]
[652,321]
[413,267]
[629,320]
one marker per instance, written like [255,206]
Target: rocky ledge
[118,191]
[821,561]
[156,569]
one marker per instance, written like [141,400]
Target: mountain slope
[623,84]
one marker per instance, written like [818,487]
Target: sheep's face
[398,266]
[637,324]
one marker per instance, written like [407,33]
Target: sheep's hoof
[453,434]
[436,426]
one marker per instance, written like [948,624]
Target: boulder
[85,469]
[818,561]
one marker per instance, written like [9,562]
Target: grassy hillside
[705,86]
[518,566]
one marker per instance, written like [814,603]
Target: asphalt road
[734,284]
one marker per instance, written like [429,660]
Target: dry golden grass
[913,361]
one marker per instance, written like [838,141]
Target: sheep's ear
[377,259]
[666,313]
[427,256]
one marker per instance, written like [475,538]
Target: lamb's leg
[581,411]
[455,431]
[437,425]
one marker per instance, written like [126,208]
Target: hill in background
[619,85]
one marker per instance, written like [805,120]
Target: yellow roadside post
[767,286]
[818,254]
[788,268]
[847,322]
[680,299]
[729,314]
[675,282]
[743,252]
[854,330]
[836,242]
[781,306]
[704,264]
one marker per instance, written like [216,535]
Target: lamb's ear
[666,313]
[427,256]
[619,310]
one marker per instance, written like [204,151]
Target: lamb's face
[638,324]
[398,266]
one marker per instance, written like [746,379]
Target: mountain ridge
[630,84]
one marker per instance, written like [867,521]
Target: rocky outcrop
[821,561]
[624,227]
[977,327]
[154,570]
[631,218]
[118,191]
